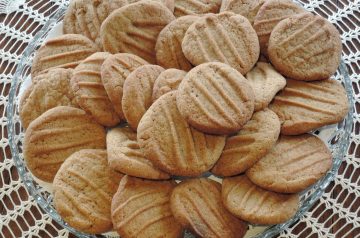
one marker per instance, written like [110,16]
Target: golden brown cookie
[253,204]
[246,8]
[215,98]
[249,145]
[195,7]
[305,106]
[90,92]
[115,69]
[224,37]
[305,47]
[266,83]
[125,156]
[52,91]
[83,189]
[269,15]
[168,45]
[55,135]
[295,163]
[197,205]
[137,94]
[168,3]
[66,51]
[141,208]
[134,29]
[172,145]
[167,81]
[86,16]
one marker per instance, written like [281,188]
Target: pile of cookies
[136,94]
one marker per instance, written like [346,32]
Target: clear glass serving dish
[335,136]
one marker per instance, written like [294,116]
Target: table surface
[336,214]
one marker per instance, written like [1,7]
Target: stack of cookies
[136,94]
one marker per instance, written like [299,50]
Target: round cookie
[215,98]
[266,83]
[168,3]
[52,91]
[168,45]
[125,156]
[134,29]
[86,16]
[115,69]
[141,208]
[197,205]
[224,37]
[90,92]
[195,7]
[66,51]
[295,163]
[172,145]
[253,204]
[246,8]
[167,81]
[137,92]
[305,47]
[269,15]
[305,106]
[55,135]
[249,145]
[83,189]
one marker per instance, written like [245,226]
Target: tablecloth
[336,214]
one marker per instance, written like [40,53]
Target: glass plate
[335,136]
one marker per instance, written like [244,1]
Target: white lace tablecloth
[336,214]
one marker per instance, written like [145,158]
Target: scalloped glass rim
[338,144]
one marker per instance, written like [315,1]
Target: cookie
[134,29]
[168,141]
[246,8]
[141,208]
[83,189]
[55,135]
[115,69]
[66,51]
[86,16]
[167,81]
[196,7]
[249,145]
[305,47]
[125,156]
[295,163]
[266,83]
[305,106]
[170,4]
[256,205]
[90,92]
[224,37]
[168,45]
[137,94]
[269,15]
[197,205]
[45,94]
[215,98]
